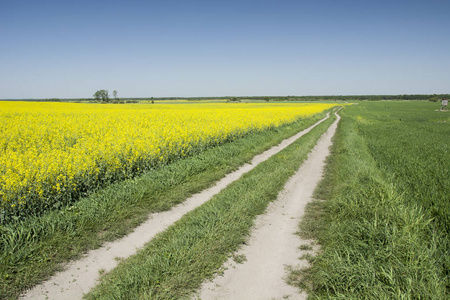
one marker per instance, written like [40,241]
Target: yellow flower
[53,148]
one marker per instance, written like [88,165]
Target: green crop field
[384,229]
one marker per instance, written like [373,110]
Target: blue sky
[70,49]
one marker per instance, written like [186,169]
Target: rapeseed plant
[53,153]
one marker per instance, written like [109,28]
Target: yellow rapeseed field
[52,152]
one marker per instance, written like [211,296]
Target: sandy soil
[82,275]
[273,244]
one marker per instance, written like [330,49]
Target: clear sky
[70,49]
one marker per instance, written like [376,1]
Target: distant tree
[97,95]
[115,94]
[102,95]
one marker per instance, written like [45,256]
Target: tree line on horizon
[103,96]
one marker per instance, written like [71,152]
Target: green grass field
[384,229]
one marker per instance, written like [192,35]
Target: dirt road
[273,244]
[82,275]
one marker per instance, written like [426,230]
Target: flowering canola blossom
[54,152]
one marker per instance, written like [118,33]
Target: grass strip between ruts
[174,264]
[34,249]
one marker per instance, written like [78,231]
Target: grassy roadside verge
[33,249]
[174,264]
[382,228]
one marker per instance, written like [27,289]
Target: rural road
[273,244]
[82,275]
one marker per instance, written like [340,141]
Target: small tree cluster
[102,95]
